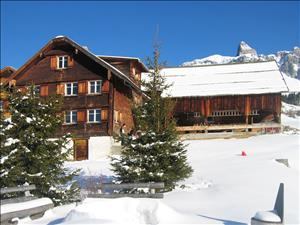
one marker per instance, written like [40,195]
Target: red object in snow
[244,153]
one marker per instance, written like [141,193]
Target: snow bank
[13,207]
[240,186]
[225,187]
[125,211]
[290,121]
[290,115]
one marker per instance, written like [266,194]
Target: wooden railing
[35,207]
[127,190]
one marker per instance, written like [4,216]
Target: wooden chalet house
[241,97]
[98,91]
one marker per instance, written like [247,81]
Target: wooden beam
[228,127]
[247,105]
[17,189]
[108,74]
[133,185]
[25,212]
[110,124]
[247,108]
[207,107]
[17,200]
[95,195]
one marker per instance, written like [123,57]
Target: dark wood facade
[117,87]
[5,75]
[224,110]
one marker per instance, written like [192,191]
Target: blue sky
[187,30]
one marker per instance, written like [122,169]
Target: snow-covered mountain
[288,61]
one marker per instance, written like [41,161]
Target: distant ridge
[288,61]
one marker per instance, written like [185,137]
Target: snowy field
[225,188]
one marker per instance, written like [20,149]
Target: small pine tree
[156,154]
[30,154]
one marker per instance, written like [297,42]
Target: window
[95,87]
[94,116]
[37,89]
[117,116]
[62,62]
[71,89]
[197,114]
[71,117]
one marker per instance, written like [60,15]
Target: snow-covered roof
[228,79]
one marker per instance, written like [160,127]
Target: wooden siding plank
[105,86]
[44,90]
[53,63]
[70,62]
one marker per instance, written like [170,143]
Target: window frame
[72,89]
[64,62]
[116,116]
[95,87]
[37,87]
[94,116]
[71,117]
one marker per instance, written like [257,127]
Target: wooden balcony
[270,127]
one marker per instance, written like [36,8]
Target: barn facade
[241,97]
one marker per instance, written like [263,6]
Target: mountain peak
[245,50]
[288,61]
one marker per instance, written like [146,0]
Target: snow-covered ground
[225,188]
[291,116]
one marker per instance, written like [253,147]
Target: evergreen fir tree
[156,154]
[29,153]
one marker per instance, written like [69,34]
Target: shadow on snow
[225,222]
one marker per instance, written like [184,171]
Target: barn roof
[227,79]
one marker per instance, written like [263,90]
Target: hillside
[288,61]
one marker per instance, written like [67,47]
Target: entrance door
[81,149]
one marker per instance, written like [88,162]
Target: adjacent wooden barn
[230,97]
[98,91]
